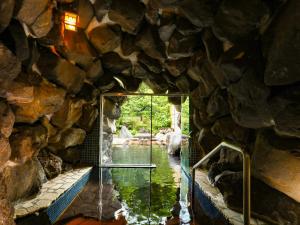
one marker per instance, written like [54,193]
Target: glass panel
[185,127]
[133,128]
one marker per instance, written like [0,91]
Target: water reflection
[147,196]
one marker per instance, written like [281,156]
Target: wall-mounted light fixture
[70,21]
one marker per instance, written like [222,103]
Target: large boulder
[181,46]
[7,119]
[88,117]
[198,12]
[267,203]
[226,128]
[26,13]
[240,21]
[149,41]
[217,104]
[6,209]
[282,66]
[26,142]
[151,64]
[23,180]
[105,38]
[115,63]
[43,24]
[128,14]
[60,71]
[76,48]
[248,101]
[68,114]
[66,138]
[111,109]
[277,167]
[5,151]
[6,12]
[51,163]
[47,100]
[10,67]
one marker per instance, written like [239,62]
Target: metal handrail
[246,177]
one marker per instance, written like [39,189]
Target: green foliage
[136,113]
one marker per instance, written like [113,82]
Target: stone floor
[50,191]
[216,197]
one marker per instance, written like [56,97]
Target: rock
[128,14]
[22,180]
[157,83]
[21,46]
[89,115]
[217,104]
[6,12]
[66,138]
[104,38]
[25,13]
[149,41]
[10,67]
[43,24]
[47,100]
[106,82]
[70,155]
[5,151]
[267,203]
[276,167]
[207,140]
[89,94]
[198,12]
[131,84]
[248,101]
[19,93]
[185,27]
[7,119]
[85,12]
[33,54]
[128,44]
[240,21]
[6,213]
[183,84]
[177,67]
[139,72]
[151,64]
[200,70]
[68,114]
[284,107]
[94,71]
[61,72]
[152,12]
[182,46]
[76,48]
[26,143]
[166,31]
[111,109]
[51,163]
[226,128]
[282,66]
[101,8]
[213,47]
[115,63]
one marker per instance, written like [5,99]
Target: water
[146,195]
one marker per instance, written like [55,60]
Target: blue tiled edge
[55,210]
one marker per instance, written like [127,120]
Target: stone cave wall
[238,59]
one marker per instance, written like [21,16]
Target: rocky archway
[239,60]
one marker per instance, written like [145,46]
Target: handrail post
[246,188]
[246,177]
